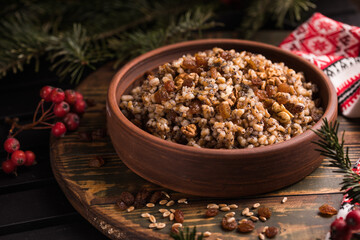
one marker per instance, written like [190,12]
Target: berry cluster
[66,106]
[18,157]
[342,229]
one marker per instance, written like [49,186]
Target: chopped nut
[172,216]
[225,110]
[162,210]
[160,225]
[130,209]
[233,206]
[145,215]
[225,209]
[152,225]
[150,205]
[263,219]
[207,234]
[264,229]
[175,227]
[166,214]
[189,130]
[230,214]
[261,236]
[163,202]
[284,117]
[256,205]
[254,219]
[230,219]
[182,200]
[284,200]
[245,211]
[172,210]
[152,219]
[249,214]
[170,203]
[165,194]
[213,205]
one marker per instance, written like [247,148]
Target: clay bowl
[214,172]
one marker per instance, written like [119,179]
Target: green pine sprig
[187,235]
[333,147]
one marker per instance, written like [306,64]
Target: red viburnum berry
[61,109]
[79,96]
[57,95]
[58,130]
[79,107]
[30,158]
[45,93]
[18,157]
[11,145]
[72,121]
[70,96]
[8,166]
[353,220]
[339,230]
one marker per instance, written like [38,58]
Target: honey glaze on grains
[223,99]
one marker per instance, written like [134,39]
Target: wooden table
[92,191]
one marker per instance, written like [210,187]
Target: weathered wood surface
[93,191]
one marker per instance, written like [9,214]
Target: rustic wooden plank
[87,187]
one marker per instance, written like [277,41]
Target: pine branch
[72,52]
[187,235]
[331,147]
[21,40]
[138,42]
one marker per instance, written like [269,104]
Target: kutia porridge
[223,99]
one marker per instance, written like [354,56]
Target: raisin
[271,232]
[327,210]
[161,95]
[96,162]
[201,61]
[262,95]
[246,226]
[271,90]
[141,198]
[171,115]
[226,55]
[316,116]
[188,82]
[169,86]
[256,81]
[189,63]
[127,198]
[213,72]
[179,216]
[224,109]
[264,212]
[284,87]
[211,212]
[298,108]
[195,107]
[122,206]
[86,136]
[229,226]
[155,197]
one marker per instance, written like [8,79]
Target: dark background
[32,206]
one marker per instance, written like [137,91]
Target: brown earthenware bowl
[214,172]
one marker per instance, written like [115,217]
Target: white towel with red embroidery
[334,47]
